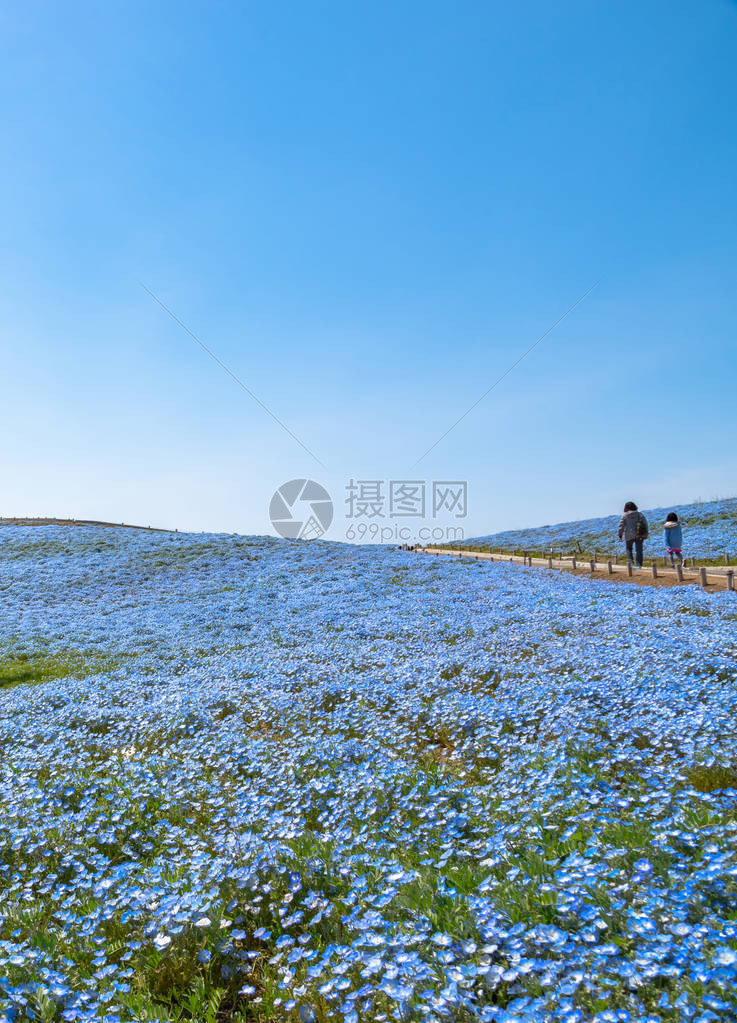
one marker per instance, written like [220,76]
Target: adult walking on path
[634,530]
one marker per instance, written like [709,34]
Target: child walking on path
[673,538]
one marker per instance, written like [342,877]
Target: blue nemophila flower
[460,791]
[710,530]
[726,957]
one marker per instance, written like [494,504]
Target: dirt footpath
[716,578]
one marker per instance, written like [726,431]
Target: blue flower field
[245,779]
[709,532]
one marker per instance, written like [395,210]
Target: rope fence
[705,575]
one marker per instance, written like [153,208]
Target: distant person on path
[633,528]
[673,538]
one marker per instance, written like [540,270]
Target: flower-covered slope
[709,532]
[244,779]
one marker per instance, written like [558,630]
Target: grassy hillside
[709,532]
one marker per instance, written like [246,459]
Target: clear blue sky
[368,212]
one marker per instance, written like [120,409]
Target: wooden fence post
[655,570]
[702,576]
[574,562]
[679,573]
[730,580]
[592,564]
[550,562]
[629,569]
[609,568]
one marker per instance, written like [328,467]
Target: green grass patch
[19,668]
[713,778]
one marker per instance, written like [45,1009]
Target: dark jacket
[633,526]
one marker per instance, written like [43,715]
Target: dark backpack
[641,532]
